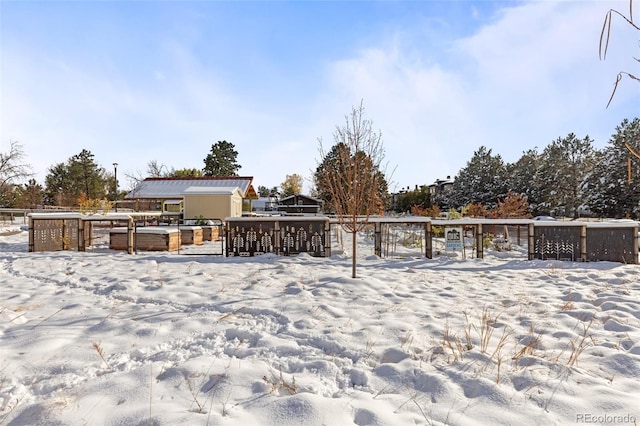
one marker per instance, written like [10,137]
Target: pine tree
[525,180]
[81,175]
[609,191]
[483,180]
[222,160]
[565,165]
[419,197]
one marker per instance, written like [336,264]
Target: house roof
[175,187]
[297,196]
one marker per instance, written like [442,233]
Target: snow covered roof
[163,188]
[212,190]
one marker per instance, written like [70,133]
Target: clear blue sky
[135,81]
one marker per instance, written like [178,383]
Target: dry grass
[100,352]
[533,342]
[487,325]
[278,383]
[579,344]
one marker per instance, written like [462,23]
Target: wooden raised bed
[210,233]
[153,238]
[191,234]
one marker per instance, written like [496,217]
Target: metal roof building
[176,187]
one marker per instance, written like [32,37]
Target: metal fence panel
[557,242]
[611,244]
[284,237]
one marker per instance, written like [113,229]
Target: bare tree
[12,168]
[154,170]
[605,36]
[351,174]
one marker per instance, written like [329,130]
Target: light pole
[115,192]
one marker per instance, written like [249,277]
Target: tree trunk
[353,253]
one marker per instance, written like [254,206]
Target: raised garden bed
[152,238]
[211,233]
[191,234]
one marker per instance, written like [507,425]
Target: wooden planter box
[191,235]
[210,233]
[152,238]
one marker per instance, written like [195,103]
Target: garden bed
[191,234]
[152,238]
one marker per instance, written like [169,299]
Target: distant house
[208,197]
[440,186]
[299,203]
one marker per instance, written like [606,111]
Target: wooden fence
[291,235]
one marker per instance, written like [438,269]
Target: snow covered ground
[104,337]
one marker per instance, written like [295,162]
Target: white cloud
[530,76]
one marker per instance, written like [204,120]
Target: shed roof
[164,188]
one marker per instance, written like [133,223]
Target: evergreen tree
[525,180]
[483,180]
[263,191]
[338,161]
[565,165]
[609,191]
[89,178]
[80,176]
[331,163]
[222,160]
[420,197]
[29,196]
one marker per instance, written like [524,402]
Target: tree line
[82,178]
[569,177]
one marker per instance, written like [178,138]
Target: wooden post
[130,236]
[583,243]
[81,223]
[636,244]
[327,238]
[227,239]
[64,236]
[377,226]
[479,242]
[276,237]
[31,234]
[428,240]
[531,241]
